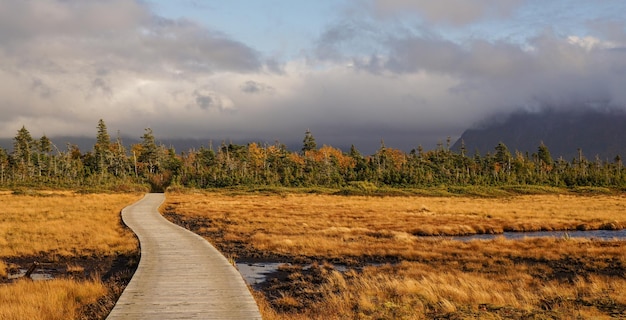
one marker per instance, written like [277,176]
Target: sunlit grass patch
[3,269]
[64,223]
[326,225]
[429,277]
[59,224]
[57,299]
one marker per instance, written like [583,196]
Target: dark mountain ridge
[596,133]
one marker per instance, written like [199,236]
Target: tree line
[110,164]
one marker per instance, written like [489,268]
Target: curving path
[180,275]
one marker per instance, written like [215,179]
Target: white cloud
[357,84]
[590,43]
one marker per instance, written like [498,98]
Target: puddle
[256,273]
[38,275]
[590,234]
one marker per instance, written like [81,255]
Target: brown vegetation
[337,226]
[48,300]
[429,277]
[79,237]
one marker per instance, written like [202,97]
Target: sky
[406,72]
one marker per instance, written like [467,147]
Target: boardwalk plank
[180,275]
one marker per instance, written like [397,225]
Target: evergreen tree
[23,146]
[543,154]
[102,148]
[44,146]
[308,143]
[503,156]
[120,161]
[4,163]
[149,151]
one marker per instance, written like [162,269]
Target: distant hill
[598,133]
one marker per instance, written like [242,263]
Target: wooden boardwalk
[180,275]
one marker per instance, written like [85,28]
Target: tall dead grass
[57,299]
[438,277]
[417,291]
[336,226]
[50,224]
[65,224]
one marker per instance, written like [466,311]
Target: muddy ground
[302,276]
[114,271]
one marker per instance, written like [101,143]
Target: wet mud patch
[569,269]
[295,288]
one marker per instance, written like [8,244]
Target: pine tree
[23,146]
[544,154]
[149,151]
[308,143]
[102,148]
[503,156]
[4,162]
[44,146]
[120,161]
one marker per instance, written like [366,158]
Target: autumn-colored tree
[256,158]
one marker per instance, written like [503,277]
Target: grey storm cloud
[209,100]
[75,60]
[251,86]
[195,48]
[128,36]
[64,64]
[548,69]
[205,101]
[41,88]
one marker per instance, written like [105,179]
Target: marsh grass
[436,277]
[337,226]
[54,224]
[64,223]
[47,300]
[3,270]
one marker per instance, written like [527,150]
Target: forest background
[152,166]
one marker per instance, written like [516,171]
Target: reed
[337,226]
[64,224]
[48,300]
[54,224]
[431,277]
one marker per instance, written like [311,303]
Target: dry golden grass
[65,224]
[417,291]
[53,224]
[338,226]
[438,277]
[47,300]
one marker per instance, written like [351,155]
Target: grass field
[60,228]
[434,277]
